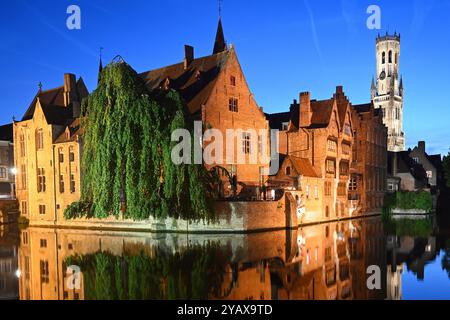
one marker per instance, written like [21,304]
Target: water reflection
[9,244]
[316,262]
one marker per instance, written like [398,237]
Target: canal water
[353,259]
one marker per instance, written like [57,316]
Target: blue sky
[284,47]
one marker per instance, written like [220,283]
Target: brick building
[216,92]
[47,152]
[322,132]
[369,161]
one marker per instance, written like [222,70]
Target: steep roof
[219,44]
[363,108]
[52,103]
[303,166]
[321,113]
[276,120]
[194,83]
[6,132]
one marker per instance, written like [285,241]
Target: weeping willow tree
[126,163]
[195,274]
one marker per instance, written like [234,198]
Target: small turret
[373,89]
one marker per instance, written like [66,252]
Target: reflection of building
[7,178]
[47,151]
[315,262]
[9,286]
[394,282]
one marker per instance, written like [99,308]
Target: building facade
[47,153]
[7,170]
[368,181]
[387,92]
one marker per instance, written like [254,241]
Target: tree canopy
[126,161]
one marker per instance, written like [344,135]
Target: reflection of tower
[394,282]
[387,92]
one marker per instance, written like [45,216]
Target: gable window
[288,171]
[233,104]
[246,143]
[40,139]
[41,180]
[332,145]
[330,166]
[233,81]
[347,129]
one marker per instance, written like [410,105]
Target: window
[25,237]
[383,58]
[397,114]
[44,271]
[342,189]
[284,126]
[353,186]
[331,166]
[347,129]
[328,188]
[307,192]
[61,156]
[327,212]
[429,174]
[3,173]
[71,155]
[343,168]
[22,145]
[328,254]
[41,180]
[233,81]
[316,192]
[346,148]
[332,145]
[416,160]
[43,243]
[390,56]
[233,104]
[41,209]
[396,57]
[23,176]
[24,207]
[288,171]
[246,143]
[72,183]
[61,183]
[40,139]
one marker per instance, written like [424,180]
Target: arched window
[39,139]
[396,58]
[288,171]
[390,56]
[383,58]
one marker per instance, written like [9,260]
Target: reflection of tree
[195,273]
[446,259]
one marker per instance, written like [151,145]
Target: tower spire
[100,67]
[372,88]
[220,44]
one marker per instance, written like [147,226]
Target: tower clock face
[382,75]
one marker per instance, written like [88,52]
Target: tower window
[383,57]
[390,56]
[396,58]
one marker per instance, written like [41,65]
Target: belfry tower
[387,92]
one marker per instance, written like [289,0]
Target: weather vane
[220,8]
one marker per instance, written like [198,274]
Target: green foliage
[410,227]
[195,273]
[446,165]
[126,162]
[408,200]
[79,209]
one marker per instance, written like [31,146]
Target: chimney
[70,89]
[305,109]
[339,90]
[188,56]
[421,146]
